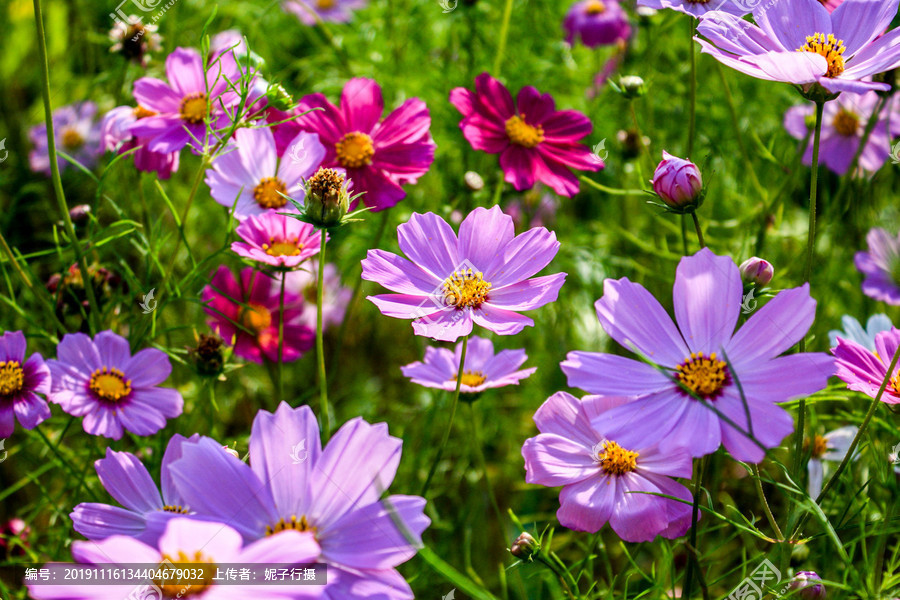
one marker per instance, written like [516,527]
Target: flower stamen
[197,573]
[288,247]
[109,384]
[465,288]
[521,133]
[470,378]
[845,123]
[293,524]
[12,378]
[614,459]
[829,47]
[267,193]
[194,108]
[355,150]
[704,376]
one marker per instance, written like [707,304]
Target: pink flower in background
[76,133]
[333,11]
[277,240]
[304,282]
[597,23]
[116,136]
[864,371]
[535,141]
[881,266]
[20,383]
[697,8]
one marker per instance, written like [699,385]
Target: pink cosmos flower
[277,240]
[864,371]
[116,136]
[534,140]
[483,277]
[76,133]
[246,313]
[332,11]
[20,383]
[305,281]
[482,370]
[579,448]
[379,156]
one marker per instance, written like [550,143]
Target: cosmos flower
[336,297]
[482,370]
[864,370]
[20,383]
[881,266]
[843,127]
[483,277]
[535,141]
[245,314]
[277,240]
[698,8]
[597,23]
[577,449]
[294,484]
[799,42]
[101,381]
[76,133]
[252,174]
[833,446]
[854,331]
[204,546]
[378,155]
[146,512]
[134,39]
[332,11]
[116,136]
[707,297]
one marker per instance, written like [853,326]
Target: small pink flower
[277,240]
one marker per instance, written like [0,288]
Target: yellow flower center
[355,150]
[289,247]
[71,139]
[325,4]
[595,7]
[172,508]
[820,446]
[465,288]
[198,574]
[470,378]
[297,525]
[845,123]
[140,112]
[256,317]
[614,459]
[267,193]
[895,381]
[110,384]
[194,108]
[521,133]
[12,378]
[703,376]
[829,47]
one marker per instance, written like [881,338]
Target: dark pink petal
[326,120]
[575,156]
[408,123]
[566,126]
[860,369]
[361,104]
[464,100]
[156,95]
[518,166]
[380,191]
[409,161]
[493,98]
[555,175]
[535,107]
[484,134]
[184,69]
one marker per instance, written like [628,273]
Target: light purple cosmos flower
[277,240]
[293,484]
[146,512]
[205,545]
[252,174]
[833,446]
[799,42]
[116,136]
[101,381]
[449,283]
[597,23]
[335,298]
[482,370]
[76,132]
[864,370]
[182,104]
[843,127]
[855,332]
[333,11]
[698,8]
[707,297]
[578,448]
[881,266]
[20,383]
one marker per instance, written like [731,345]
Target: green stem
[692,114]
[762,498]
[184,214]
[684,241]
[694,563]
[697,228]
[504,34]
[482,464]
[93,307]
[640,142]
[281,340]
[320,340]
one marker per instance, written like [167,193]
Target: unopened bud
[232,452]
[473,181]
[807,586]
[632,86]
[756,271]
[678,183]
[208,356]
[525,546]
[80,213]
[278,97]
[327,198]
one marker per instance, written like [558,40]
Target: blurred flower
[843,127]
[186,541]
[577,449]
[805,585]
[707,298]
[756,271]
[449,284]
[482,370]
[14,536]
[632,144]
[881,266]
[525,546]
[832,446]
[116,136]
[246,314]
[696,8]
[69,289]
[533,209]
[854,331]
[864,370]
[228,41]
[80,213]
[533,139]
[76,133]
[101,381]
[333,494]
[274,239]
[678,183]
[332,11]
[596,23]
[474,181]
[20,383]
[252,175]
[378,155]
[600,79]
[305,281]
[207,355]
[632,86]
[134,40]
[127,480]
[799,42]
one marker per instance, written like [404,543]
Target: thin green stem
[692,109]
[184,214]
[281,340]
[560,574]
[640,142]
[694,563]
[320,340]
[504,34]
[698,229]
[762,498]
[482,464]
[684,241]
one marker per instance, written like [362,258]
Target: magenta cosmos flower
[864,371]
[20,383]
[535,141]
[310,12]
[101,381]
[597,23]
[707,295]
[483,277]
[251,178]
[799,42]
[146,511]
[277,240]
[335,297]
[294,484]
[881,266]
[843,127]
[245,313]
[116,136]
[482,370]
[204,545]
[76,133]
[379,156]
[182,104]
[578,448]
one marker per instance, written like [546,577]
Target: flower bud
[632,86]
[756,271]
[14,536]
[208,356]
[327,199]
[807,586]
[525,546]
[678,183]
[278,97]
[473,181]
[80,213]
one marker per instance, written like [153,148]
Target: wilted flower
[134,39]
[597,23]
[881,266]
[678,183]
[76,133]
[327,198]
[756,271]
[208,356]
